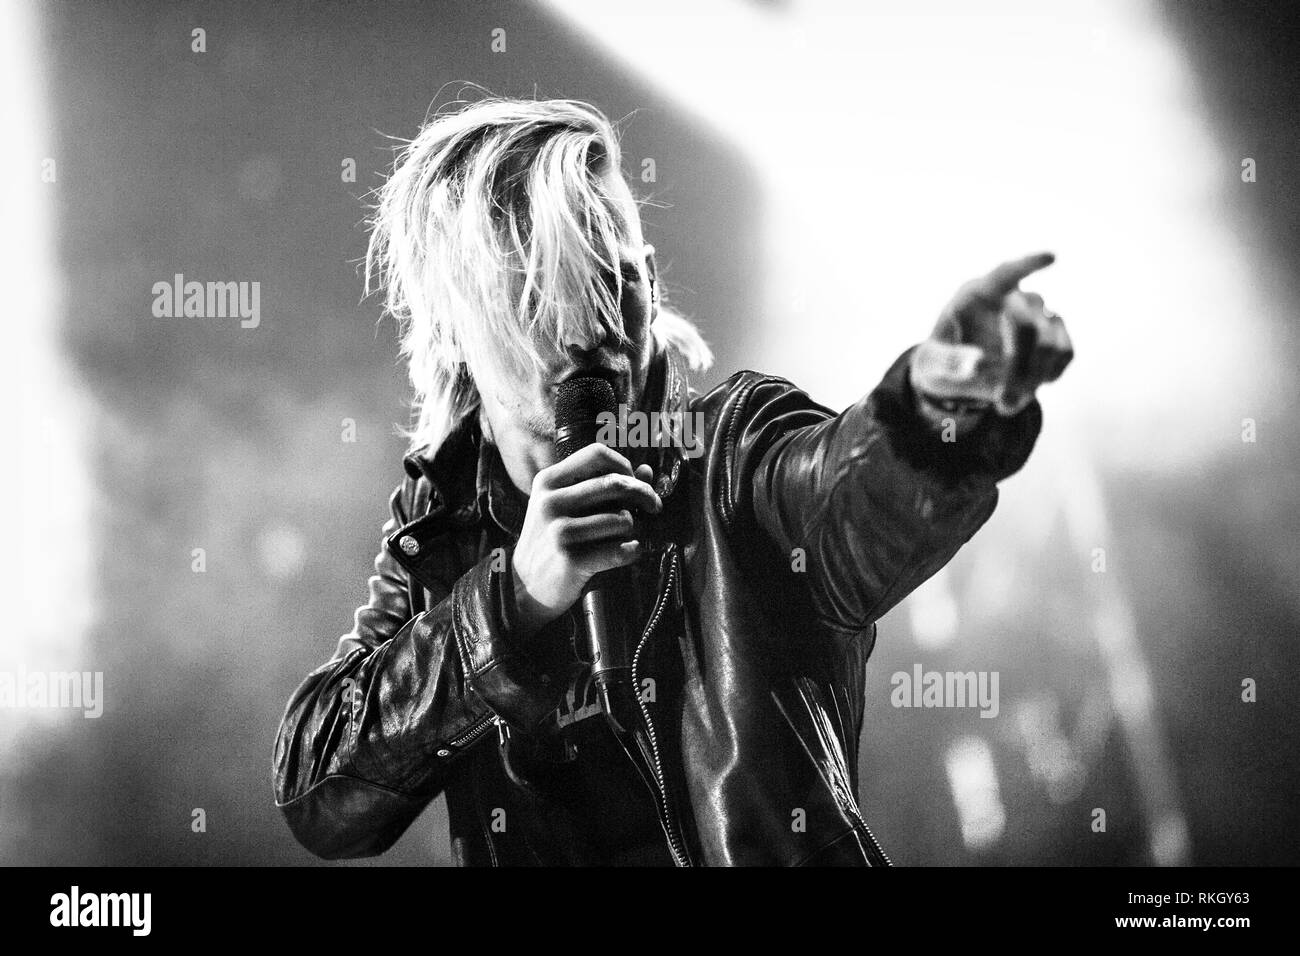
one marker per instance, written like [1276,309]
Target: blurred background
[191,507]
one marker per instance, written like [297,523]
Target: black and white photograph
[725,433]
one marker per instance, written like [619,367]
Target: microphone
[577,404]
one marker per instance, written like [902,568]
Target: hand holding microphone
[579,523]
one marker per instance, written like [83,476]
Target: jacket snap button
[444,752]
[408,544]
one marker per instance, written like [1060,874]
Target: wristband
[953,406]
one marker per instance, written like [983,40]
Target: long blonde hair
[488,240]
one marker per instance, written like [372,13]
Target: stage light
[45,484]
[973,780]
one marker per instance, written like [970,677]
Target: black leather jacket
[778,549]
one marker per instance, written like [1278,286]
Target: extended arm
[882,495]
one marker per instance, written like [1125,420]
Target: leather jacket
[778,549]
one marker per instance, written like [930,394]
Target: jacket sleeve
[368,738]
[875,496]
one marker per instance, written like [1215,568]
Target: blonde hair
[489,239]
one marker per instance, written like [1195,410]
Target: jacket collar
[466,474]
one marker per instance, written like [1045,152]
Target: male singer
[747,571]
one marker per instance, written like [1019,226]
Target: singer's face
[518,414]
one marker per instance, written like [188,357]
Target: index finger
[588,462]
[1007,276]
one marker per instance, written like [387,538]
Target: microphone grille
[579,400]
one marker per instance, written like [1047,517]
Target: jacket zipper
[475,732]
[675,842]
[871,838]
[875,844]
